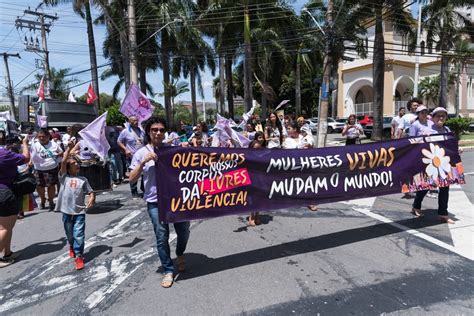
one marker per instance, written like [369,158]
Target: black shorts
[9,203]
[47,178]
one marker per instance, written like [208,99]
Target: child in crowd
[71,203]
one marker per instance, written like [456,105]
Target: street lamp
[159,30]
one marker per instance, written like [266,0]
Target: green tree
[444,25]
[60,81]
[173,89]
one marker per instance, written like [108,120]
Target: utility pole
[9,85]
[39,25]
[327,66]
[132,38]
[418,51]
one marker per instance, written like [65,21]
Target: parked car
[365,119]
[387,127]
[313,126]
[333,125]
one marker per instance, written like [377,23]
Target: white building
[355,93]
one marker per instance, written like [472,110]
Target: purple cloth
[136,104]
[94,136]
[8,166]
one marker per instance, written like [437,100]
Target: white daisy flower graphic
[438,163]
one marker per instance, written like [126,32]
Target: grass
[469,136]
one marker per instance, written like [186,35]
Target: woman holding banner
[423,128]
[143,162]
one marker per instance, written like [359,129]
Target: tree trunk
[248,97]
[378,75]
[192,76]
[230,85]
[298,85]
[142,70]
[165,62]
[443,84]
[92,54]
[222,84]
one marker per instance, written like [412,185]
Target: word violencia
[208,201]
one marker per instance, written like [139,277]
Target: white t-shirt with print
[44,157]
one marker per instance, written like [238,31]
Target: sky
[68,46]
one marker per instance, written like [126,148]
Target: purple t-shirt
[420,129]
[149,173]
[8,166]
[132,138]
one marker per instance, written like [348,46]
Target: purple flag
[94,135]
[136,104]
[42,121]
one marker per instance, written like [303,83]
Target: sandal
[167,280]
[181,264]
[446,220]
[417,212]
[313,208]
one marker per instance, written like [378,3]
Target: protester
[409,117]
[397,121]
[71,203]
[44,156]
[257,123]
[130,140]
[144,163]
[308,139]
[114,155]
[67,136]
[421,126]
[273,131]
[352,130]
[440,116]
[294,139]
[9,202]
[260,137]
[201,129]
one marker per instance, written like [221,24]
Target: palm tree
[173,89]
[391,12]
[443,25]
[60,81]
[83,8]
[194,55]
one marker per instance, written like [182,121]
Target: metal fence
[368,108]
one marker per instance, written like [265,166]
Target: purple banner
[196,183]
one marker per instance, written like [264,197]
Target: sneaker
[42,205]
[4,262]
[12,255]
[52,206]
[431,195]
[79,263]
[72,254]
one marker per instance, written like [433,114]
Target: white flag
[94,135]
[71,98]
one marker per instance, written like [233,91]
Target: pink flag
[42,121]
[40,91]
[136,104]
[94,136]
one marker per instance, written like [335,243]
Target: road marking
[112,232]
[99,295]
[462,232]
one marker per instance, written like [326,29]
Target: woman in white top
[352,130]
[45,155]
[274,131]
[294,140]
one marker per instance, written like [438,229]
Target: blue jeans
[75,227]
[116,166]
[443,197]
[162,232]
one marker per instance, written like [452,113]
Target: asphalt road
[358,257]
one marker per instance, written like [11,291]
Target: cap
[421,108]
[439,109]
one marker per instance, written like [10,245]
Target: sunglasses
[156,130]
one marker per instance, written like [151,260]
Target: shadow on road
[202,265]
[105,207]
[96,251]
[42,248]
